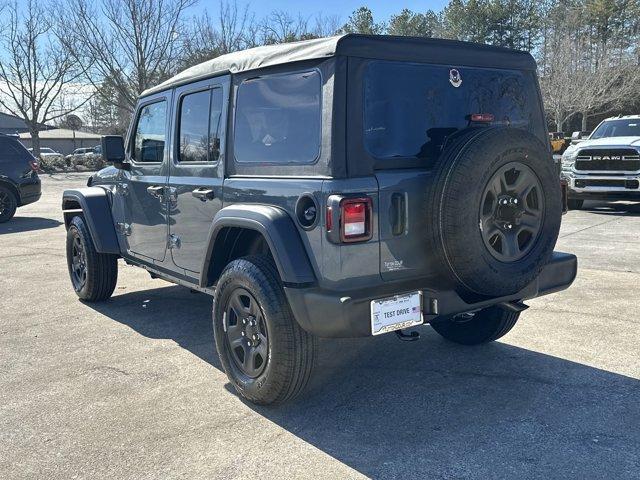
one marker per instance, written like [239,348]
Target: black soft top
[382,47]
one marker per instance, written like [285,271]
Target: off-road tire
[461,177]
[291,350]
[101,268]
[10,206]
[575,203]
[485,326]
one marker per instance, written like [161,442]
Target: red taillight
[355,219]
[329,221]
[34,165]
[482,117]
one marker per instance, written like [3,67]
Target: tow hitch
[411,336]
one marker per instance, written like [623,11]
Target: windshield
[46,150]
[618,128]
[411,109]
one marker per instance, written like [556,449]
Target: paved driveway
[132,388]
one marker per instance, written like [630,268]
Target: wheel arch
[92,203]
[239,230]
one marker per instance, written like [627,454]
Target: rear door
[410,111]
[197,169]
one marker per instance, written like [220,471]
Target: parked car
[19,181]
[78,152]
[82,151]
[340,187]
[49,158]
[606,165]
[47,152]
[558,142]
[86,157]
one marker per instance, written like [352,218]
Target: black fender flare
[96,209]
[278,229]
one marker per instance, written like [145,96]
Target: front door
[144,187]
[197,169]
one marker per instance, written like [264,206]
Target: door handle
[155,191]
[204,194]
[397,214]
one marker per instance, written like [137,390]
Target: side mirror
[113,151]
[576,135]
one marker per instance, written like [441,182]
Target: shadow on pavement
[27,224]
[613,208]
[432,409]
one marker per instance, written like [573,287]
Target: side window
[150,133]
[193,132]
[278,119]
[200,127]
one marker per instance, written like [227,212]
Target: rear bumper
[30,190]
[347,314]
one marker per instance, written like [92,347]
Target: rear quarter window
[12,151]
[411,109]
[278,119]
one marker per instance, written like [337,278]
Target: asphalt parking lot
[132,388]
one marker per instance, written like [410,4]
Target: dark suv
[19,181]
[339,187]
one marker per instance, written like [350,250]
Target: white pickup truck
[606,166]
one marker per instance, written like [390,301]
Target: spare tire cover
[494,210]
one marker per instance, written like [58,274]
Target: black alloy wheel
[266,355]
[78,263]
[93,274]
[246,333]
[4,202]
[511,212]
[8,204]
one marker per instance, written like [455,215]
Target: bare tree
[235,28]
[325,25]
[231,30]
[38,79]
[557,81]
[280,26]
[232,23]
[133,44]
[604,90]
[587,62]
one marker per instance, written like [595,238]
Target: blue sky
[381,9]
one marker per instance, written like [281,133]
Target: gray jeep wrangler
[338,187]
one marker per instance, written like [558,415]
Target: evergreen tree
[361,21]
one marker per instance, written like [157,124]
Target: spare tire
[494,210]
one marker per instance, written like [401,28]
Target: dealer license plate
[394,313]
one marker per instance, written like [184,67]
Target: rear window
[278,119]
[13,151]
[411,109]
